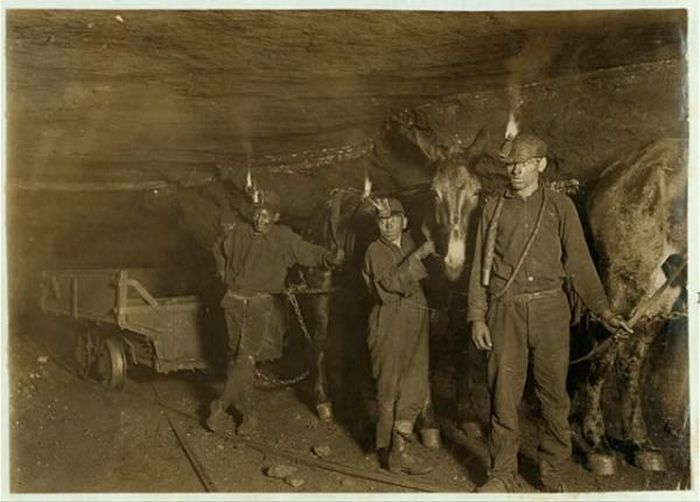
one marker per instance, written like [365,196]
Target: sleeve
[306,254]
[221,250]
[477,304]
[387,281]
[578,263]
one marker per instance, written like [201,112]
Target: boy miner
[397,336]
[529,241]
[252,260]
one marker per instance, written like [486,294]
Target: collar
[508,194]
[396,244]
[253,233]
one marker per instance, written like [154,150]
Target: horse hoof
[431,438]
[649,460]
[602,463]
[325,411]
[471,429]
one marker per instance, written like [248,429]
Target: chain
[291,297]
[672,316]
[302,289]
[275,382]
[669,316]
[278,382]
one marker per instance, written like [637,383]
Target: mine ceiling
[105,95]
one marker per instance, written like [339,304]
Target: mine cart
[129,317]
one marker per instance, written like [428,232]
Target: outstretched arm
[581,269]
[390,281]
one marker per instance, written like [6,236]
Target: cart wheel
[111,364]
[84,353]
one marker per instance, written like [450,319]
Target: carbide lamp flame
[256,196]
[248,180]
[368,187]
[512,127]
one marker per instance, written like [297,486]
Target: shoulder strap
[526,249]
[490,245]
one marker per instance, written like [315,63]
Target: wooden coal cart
[129,317]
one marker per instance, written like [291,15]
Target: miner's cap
[389,207]
[521,148]
[267,199]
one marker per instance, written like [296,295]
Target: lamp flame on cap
[367,188]
[512,127]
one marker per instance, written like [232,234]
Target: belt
[527,297]
[245,297]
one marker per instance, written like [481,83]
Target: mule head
[456,198]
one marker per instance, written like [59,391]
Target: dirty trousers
[399,353]
[535,330]
[247,322]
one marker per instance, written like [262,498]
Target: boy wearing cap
[529,241]
[397,336]
[252,260]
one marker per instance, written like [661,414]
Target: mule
[637,215]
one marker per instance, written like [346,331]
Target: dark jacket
[251,263]
[559,251]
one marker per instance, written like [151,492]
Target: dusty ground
[69,435]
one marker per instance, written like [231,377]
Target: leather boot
[403,458]
[383,456]
[219,420]
[248,425]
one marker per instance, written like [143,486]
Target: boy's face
[263,219]
[524,175]
[390,228]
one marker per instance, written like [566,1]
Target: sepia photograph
[349,251]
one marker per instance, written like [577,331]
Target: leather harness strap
[492,237]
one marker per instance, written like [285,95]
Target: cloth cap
[521,148]
[267,199]
[389,207]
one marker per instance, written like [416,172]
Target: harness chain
[278,382]
[671,316]
[291,297]
[637,314]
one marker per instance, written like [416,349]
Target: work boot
[551,476]
[248,425]
[403,457]
[552,484]
[493,485]
[219,420]
[383,456]
[471,428]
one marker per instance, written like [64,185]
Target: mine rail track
[199,469]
